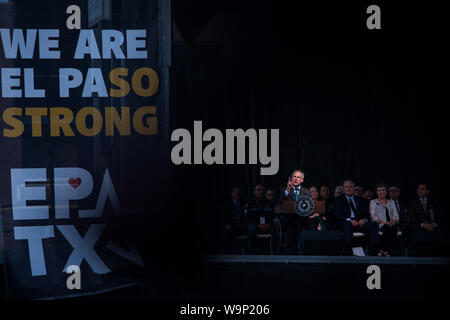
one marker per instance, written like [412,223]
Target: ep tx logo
[29,188]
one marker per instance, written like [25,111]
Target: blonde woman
[384,212]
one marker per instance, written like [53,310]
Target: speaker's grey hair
[303,174]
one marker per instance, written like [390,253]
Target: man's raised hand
[289,185]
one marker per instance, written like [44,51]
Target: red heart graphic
[74,182]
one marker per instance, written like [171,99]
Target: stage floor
[325,259]
[265,277]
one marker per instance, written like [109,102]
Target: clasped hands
[387,223]
[358,223]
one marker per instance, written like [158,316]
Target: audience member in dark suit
[338,191]
[271,195]
[423,211]
[352,215]
[232,218]
[259,216]
[358,191]
[368,195]
[402,208]
[292,191]
[317,219]
[324,195]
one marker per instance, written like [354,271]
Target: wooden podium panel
[288,206]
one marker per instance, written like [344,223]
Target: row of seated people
[348,211]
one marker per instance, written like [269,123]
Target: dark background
[349,102]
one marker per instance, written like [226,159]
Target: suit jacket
[291,196]
[418,215]
[342,208]
[259,208]
[232,213]
[403,214]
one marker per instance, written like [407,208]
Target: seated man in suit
[423,211]
[358,190]
[259,214]
[271,195]
[324,195]
[292,191]
[232,218]
[394,194]
[352,215]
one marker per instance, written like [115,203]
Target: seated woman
[318,220]
[384,212]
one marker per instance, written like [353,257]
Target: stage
[261,277]
[296,278]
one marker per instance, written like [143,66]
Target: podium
[288,207]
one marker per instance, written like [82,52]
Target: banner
[81,147]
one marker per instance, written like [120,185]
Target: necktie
[427,212]
[352,206]
[424,204]
[237,212]
[398,207]
[296,193]
[388,218]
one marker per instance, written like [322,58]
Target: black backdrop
[349,102]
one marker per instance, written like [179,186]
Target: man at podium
[294,223]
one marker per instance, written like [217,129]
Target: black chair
[324,242]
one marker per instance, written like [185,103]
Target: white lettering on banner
[22,43]
[132,254]
[21,193]
[87,44]
[94,83]
[17,43]
[11,80]
[83,248]
[45,44]
[70,184]
[106,190]
[11,84]
[34,235]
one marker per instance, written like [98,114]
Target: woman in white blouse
[384,212]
